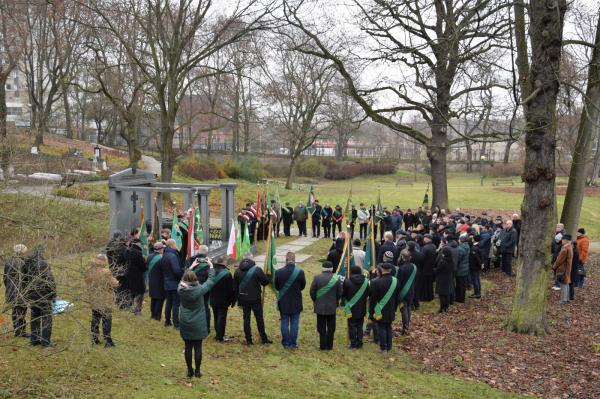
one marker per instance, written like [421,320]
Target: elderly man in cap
[326,292]
[156,281]
[15,284]
[562,267]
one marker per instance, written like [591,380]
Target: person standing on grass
[326,292]
[221,296]
[15,284]
[352,220]
[363,219]
[477,258]
[574,268]
[337,218]
[101,286]
[172,272]
[301,215]
[407,272]
[156,289]
[416,258]
[192,316]
[201,270]
[358,253]
[327,214]
[316,220]
[384,301]
[562,268]
[462,268]
[429,253]
[40,294]
[248,283]
[508,243]
[287,216]
[583,246]
[388,246]
[444,270]
[136,267]
[289,283]
[355,294]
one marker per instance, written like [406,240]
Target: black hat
[327,265]
[428,236]
[355,270]
[581,231]
[566,237]
[386,266]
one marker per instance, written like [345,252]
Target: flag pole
[267,260]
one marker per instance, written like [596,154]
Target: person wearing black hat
[356,292]
[383,304]
[287,216]
[337,218]
[326,292]
[221,296]
[156,290]
[316,220]
[327,213]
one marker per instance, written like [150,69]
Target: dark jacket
[379,288]
[171,269]
[403,274]
[156,280]
[395,222]
[508,241]
[485,242]
[388,246]
[192,313]
[477,257]
[328,303]
[15,281]
[201,271]
[429,257]
[287,215]
[222,294]
[334,257]
[136,267]
[115,252]
[351,286]
[327,213]
[251,293]
[453,246]
[316,216]
[291,302]
[409,220]
[462,268]
[41,290]
[444,270]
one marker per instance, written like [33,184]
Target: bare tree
[345,114]
[296,85]
[436,44]
[541,83]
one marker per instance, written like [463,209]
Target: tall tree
[346,117]
[438,44]
[588,128]
[542,82]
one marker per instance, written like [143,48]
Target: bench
[503,181]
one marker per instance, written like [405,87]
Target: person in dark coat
[117,264]
[410,220]
[477,259]
[136,267]
[40,294]
[221,296]
[416,258]
[485,245]
[508,244]
[172,272]
[248,292]
[406,274]
[327,213]
[384,312]
[326,292]
[300,216]
[335,253]
[156,289]
[352,220]
[462,268]
[316,220]
[356,312]
[201,270]
[287,216]
[388,245]
[444,270]
[337,218]
[15,284]
[193,328]
[289,300]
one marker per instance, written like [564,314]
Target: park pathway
[294,246]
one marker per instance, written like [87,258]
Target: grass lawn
[148,360]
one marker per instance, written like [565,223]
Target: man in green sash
[326,293]
[356,291]
[289,282]
[384,301]
[156,281]
[221,296]
[406,281]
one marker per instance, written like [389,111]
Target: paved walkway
[151,164]
[294,246]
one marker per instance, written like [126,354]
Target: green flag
[175,232]
[238,242]
[348,210]
[143,233]
[270,258]
[246,248]
[199,236]
[370,248]
[310,203]
[379,211]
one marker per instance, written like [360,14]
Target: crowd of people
[417,256]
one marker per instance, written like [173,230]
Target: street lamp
[481,161]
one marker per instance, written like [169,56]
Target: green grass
[148,360]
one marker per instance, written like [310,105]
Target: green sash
[408,284]
[153,263]
[288,283]
[221,275]
[348,306]
[386,298]
[326,288]
[247,277]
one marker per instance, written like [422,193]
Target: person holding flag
[355,294]
[326,292]
[383,304]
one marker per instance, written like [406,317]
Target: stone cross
[134,197]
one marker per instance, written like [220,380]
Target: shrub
[310,167]
[276,169]
[503,170]
[348,170]
[198,169]
[250,169]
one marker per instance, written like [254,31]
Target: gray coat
[15,281]
[328,303]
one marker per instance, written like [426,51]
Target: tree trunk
[132,146]
[469,157]
[67,107]
[291,173]
[590,116]
[529,306]
[507,147]
[596,166]
[3,111]
[436,153]
[167,156]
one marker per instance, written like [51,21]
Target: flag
[278,202]
[258,205]
[348,210]
[238,241]
[198,223]
[246,248]
[175,232]
[192,245]
[155,223]
[143,235]
[379,211]
[231,247]
[342,269]
[270,258]
[369,262]
[310,203]
[425,203]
